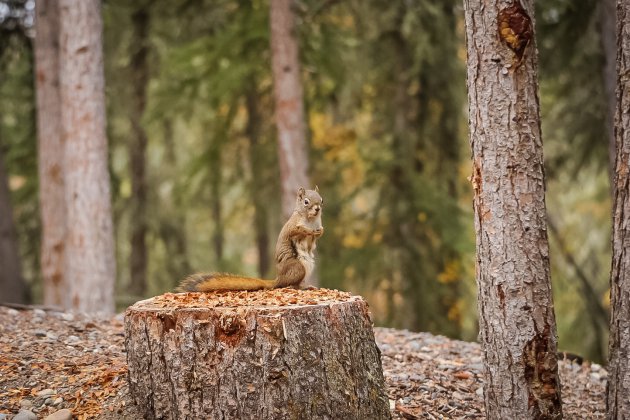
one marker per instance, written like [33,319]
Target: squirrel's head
[309,202]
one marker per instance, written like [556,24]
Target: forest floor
[52,360]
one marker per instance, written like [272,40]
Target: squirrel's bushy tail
[206,282]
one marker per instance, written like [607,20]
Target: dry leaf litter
[57,365]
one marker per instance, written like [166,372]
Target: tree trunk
[619,347]
[282,354]
[516,318]
[12,287]
[216,181]
[258,184]
[137,151]
[90,265]
[290,122]
[609,47]
[173,230]
[50,153]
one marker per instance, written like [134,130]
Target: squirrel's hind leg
[290,273]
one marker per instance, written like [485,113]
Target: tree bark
[137,151]
[216,206]
[12,287]
[607,32]
[173,230]
[619,346]
[258,182]
[516,318]
[90,265]
[290,122]
[242,356]
[50,153]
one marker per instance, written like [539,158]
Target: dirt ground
[53,360]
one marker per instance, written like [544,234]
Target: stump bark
[276,354]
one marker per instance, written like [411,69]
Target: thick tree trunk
[90,266]
[281,354]
[290,122]
[137,152]
[619,347]
[517,323]
[50,153]
[12,287]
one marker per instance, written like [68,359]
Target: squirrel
[295,260]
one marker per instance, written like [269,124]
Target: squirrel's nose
[316,208]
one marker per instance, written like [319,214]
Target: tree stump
[274,354]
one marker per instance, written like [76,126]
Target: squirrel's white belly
[305,256]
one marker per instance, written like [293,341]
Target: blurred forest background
[384,92]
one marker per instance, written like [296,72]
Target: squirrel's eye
[306,202]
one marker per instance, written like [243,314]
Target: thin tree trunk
[137,151]
[258,184]
[90,264]
[12,287]
[609,47]
[596,313]
[290,122]
[174,231]
[517,322]
[50,153]
[619,346]
[216,204]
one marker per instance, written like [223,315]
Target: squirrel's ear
[301,192]
[316,188]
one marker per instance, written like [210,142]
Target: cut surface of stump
[273,354]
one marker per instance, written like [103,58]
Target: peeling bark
[315,361]
[619,346]
[517,322]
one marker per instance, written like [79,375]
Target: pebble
[12,312]
[40,333]
[48,401]
[26,404]
[476,367]
[479,391]
[67,316]
[45,393]
[39,312]
[457,395]
[58,401]
[25,415]
[51,336]
[64,414]
[72,339]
